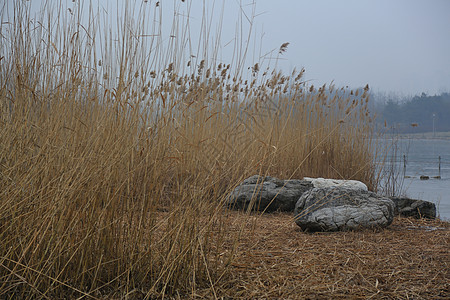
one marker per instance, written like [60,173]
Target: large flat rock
[268,193]
[343,183]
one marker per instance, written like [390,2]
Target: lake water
[422,159]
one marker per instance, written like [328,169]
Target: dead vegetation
[116,155]
[276,260]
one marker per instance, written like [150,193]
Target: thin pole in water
[404,165]
[439,166]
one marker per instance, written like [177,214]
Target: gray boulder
[268,193]
[337,208]
[414,208]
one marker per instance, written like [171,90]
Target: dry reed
[111,148]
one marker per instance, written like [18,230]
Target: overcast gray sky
[399,46]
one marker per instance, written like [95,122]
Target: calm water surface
[422,159]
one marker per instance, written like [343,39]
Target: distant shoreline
[445,135]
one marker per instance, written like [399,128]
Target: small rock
[414,208]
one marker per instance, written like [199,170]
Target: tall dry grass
[116,153]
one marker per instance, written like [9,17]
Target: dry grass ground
[408,260]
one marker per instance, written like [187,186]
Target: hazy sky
[399,46]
